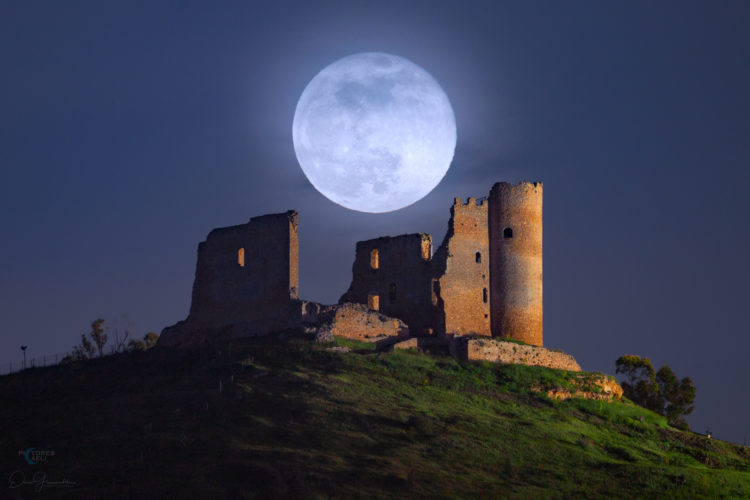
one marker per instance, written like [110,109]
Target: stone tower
[462,270]
[515,234]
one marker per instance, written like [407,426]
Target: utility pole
[23,348]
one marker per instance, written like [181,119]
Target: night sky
[128,133]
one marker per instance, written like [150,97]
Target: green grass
[302,421]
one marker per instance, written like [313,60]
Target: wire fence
[36,362]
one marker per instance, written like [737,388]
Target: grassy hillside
[299,420]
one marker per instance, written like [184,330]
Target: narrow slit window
[478,257]
[507,233]
[484,295]
[374,259]
[392,293]
[373,301]
[241,257]
[426,249]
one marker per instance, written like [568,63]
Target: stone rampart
[500,351]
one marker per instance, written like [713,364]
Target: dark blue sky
[128,132]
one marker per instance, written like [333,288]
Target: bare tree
[119,339]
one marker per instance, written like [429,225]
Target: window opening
[373,301]
[426,249]
[374,259]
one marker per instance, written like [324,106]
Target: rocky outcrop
[407,344]
[605,388]
[500,351]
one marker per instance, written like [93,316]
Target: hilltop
[299,419]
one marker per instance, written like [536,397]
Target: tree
[84,351]
[641,387]
[88,348]
[119,340]
[150,339]
[136,345]
[98,335]
[678,396]
[660,391]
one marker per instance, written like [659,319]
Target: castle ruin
[485,279]
[246,282]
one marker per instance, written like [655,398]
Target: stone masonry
[499,351]
[484,279]
[246,282]
[397,271]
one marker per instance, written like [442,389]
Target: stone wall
[499,351]
[396,270]
[461,272]
[484,279]
[246,282]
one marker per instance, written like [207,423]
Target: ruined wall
[246,280]
[461,271]
[392,275]
[498,351]
[356,321]
[484,279]
[515,234]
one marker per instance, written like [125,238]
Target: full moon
[374,132]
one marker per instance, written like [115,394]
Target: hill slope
[294,419]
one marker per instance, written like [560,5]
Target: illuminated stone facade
[484,279]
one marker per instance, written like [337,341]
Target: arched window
[373,301]
[507,233]
[478,257]
[241,257]
[484,295]
[392,293]
[374,259]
